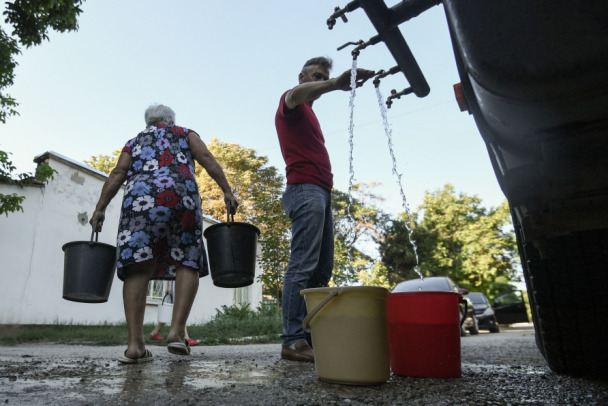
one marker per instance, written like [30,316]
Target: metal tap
[362,45]
[340,13]
[382,74]
[341,47]
[397,95]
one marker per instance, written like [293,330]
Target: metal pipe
[408,9]
[340,13]
[395,95]
[382,74]
[378,14]
[341,47]
[372,41]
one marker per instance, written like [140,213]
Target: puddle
[25,384]
[202,375]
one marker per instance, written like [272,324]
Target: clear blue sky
[222,66]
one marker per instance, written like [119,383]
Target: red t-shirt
[303,146]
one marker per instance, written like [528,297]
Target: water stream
[388,132]
[351,127]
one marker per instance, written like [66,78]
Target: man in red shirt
[307,197]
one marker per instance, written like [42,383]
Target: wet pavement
[497,369]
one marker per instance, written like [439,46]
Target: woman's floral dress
[161,209]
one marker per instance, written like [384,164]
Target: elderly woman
[160,228]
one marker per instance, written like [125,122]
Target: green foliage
[10,203]
[396,249]
[44,172]
[459,238]
[231,325]
[239,313]
[31,20]
[259,189]
[8,48]
[269,308]
[104,163]
[240,324]
[101,334]
[357,225]
[377,276]
[248,175]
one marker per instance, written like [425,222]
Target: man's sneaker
[300,351]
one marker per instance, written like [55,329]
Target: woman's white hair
[159,114]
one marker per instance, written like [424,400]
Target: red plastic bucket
[424,334]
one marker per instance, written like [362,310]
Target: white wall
[31,258]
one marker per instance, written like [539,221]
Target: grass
[231,325]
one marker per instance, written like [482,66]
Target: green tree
[259,188]
[377,276]
[31,20]
[357,225]
[12,203]
[396,249]
[104,163]
[459,238]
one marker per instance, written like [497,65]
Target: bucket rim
[231,224]
[424,292]
[344,289]
[91,243]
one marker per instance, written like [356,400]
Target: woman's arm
[112,185]
[205,158]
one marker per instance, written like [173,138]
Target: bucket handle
[94,231]
[466,305]
[168,294]
[313,312]
[228,213]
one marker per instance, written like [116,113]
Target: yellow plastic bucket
[349,333]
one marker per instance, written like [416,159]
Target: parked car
[508,308]
[443,284]
[511,308]
[486,318]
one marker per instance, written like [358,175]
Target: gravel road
[497,369]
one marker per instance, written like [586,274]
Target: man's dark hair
[319,60]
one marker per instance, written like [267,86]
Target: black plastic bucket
[88,270]
[232,249]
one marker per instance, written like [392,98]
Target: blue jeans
[312,252]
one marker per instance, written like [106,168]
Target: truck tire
[567,279]
[523,254]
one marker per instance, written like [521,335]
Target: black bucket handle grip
[466,306]
[228,213]
[94,231]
